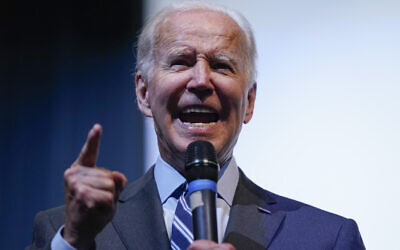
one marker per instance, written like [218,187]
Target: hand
[91,194]
[209,245]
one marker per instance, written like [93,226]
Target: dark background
[64,66]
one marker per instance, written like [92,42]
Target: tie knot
[179,191]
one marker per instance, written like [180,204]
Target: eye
[180,64]
[223,67]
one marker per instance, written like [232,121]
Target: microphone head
[201,161]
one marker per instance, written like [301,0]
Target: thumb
[120,181]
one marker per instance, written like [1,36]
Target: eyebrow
[177,52]
[225,58]
[185,51]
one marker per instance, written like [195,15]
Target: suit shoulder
[54,217]
[304,221]
[45,226]
[290,205]
[303,225]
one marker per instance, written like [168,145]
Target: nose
[200,83]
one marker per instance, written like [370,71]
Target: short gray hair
[146,41]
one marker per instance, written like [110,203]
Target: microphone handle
[204,215]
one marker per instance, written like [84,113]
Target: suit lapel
[139,219]
[253,222]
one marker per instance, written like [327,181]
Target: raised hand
[91,194]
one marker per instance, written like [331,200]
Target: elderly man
[195,77]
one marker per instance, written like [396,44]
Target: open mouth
[198,116]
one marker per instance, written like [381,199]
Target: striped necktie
[182,229]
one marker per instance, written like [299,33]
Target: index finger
[90,150]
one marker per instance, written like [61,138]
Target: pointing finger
[90,150]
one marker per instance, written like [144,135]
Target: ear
[142,94]
[251,98]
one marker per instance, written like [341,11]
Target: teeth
[199,124]
[189,118]
[198,110]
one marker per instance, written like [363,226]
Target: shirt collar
[168,180]
[227,181]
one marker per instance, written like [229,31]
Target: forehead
[202,30]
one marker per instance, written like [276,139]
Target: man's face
[198,88]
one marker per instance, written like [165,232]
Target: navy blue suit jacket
[258,220]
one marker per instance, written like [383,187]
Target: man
[195,77]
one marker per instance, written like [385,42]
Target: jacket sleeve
[43,232]
[349,237]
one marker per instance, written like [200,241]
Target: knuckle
[81,193]
[73,170]
[68,172]
[90,204]
[103,171]
[106,201]
[109,198]
[72,181]
[109,184]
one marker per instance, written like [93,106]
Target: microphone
[202,173]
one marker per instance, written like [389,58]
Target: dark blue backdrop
[64,67]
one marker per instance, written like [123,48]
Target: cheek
[166,88]
[233,100]
[158,96]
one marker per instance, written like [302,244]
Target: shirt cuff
[58,242]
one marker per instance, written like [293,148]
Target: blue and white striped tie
[182,229]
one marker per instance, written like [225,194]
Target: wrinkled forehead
[214,26]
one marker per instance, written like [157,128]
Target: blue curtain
[64,66]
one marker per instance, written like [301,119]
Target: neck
[178,163]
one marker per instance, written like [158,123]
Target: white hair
[146,42]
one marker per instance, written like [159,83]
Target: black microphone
[202,174]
